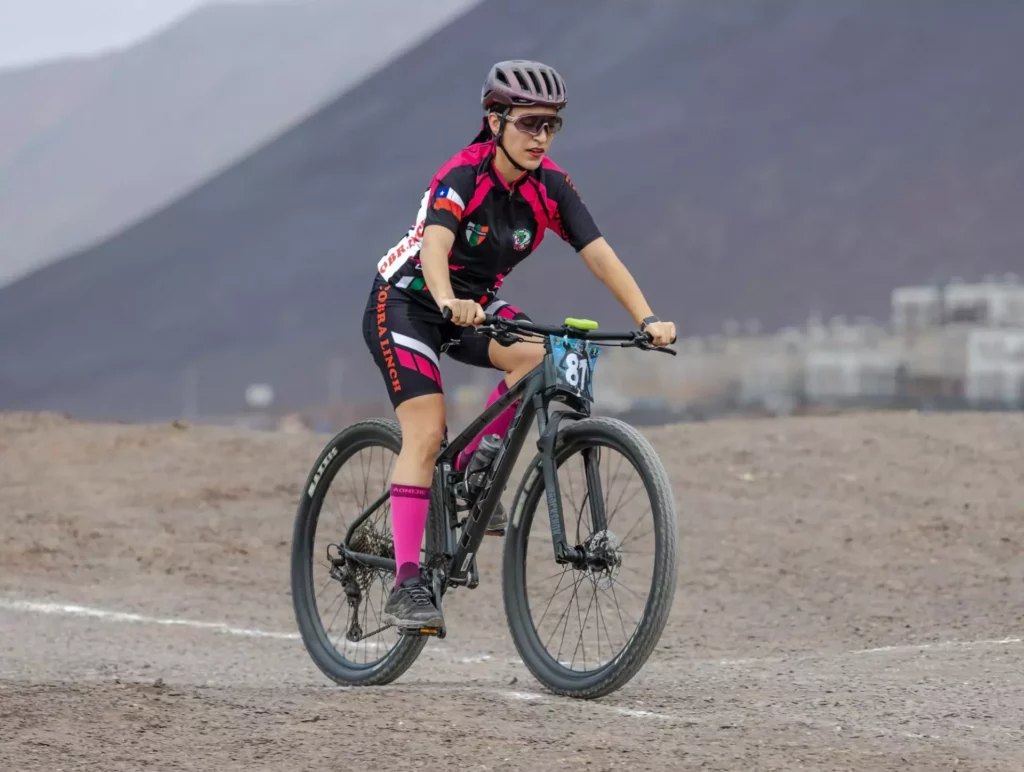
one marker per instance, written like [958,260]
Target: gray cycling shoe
[498,523]
[411,606]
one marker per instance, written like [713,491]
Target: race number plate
[574,365]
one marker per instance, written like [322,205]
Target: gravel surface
[851,597]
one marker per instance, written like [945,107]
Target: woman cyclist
[487,208]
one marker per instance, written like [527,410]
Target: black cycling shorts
[406,337]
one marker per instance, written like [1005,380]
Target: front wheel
[586,631]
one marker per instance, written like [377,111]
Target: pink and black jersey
[495,225]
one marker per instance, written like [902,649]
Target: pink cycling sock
[409,505]
[498,426]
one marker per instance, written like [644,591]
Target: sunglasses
[534,123]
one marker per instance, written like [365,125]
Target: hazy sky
[33,30]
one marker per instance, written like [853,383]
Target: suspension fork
[548,425]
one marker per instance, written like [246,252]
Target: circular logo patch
[521,239]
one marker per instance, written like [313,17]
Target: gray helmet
[521,82]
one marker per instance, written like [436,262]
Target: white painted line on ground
[75,610]
[524,696]
[909,647]
[475,659]
[637,713]
[631,712]
[903,648]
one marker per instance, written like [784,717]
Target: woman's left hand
[664,333]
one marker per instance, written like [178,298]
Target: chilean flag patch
[446,198]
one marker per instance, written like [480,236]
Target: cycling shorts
[406,338]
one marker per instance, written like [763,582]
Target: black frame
[535,392]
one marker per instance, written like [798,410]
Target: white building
[995,302]
[851,374]
[995,367]
[770,379]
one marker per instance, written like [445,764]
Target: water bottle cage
[478,467]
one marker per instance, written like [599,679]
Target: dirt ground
[850,597]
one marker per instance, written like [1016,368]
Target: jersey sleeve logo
[447,198]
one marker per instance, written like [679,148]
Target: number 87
[576,368]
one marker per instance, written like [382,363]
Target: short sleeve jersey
[496,225]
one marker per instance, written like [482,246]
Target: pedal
[438,632]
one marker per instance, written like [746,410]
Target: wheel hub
[602,558]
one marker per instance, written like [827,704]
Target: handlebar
[503,331]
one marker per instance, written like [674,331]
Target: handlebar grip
[446,314]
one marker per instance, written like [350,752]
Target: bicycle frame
[535,391]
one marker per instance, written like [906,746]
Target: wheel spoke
[592,469]
[625,538]
[618,610]
[583,624]
[615,476]
[604,624]
[366,478]
[575,590]
[552,598]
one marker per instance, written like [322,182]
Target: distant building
[996,302]
[851,375]
[995,368]
[774,381]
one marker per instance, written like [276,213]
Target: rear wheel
[586,631]
[338,604]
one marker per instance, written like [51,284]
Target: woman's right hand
[464,312]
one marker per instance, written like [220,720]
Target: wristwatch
[649,320]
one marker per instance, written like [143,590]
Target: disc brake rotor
[604,558]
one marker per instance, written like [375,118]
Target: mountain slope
[36,100]
[747,159]
[91,145]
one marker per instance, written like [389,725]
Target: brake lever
[644,343]
[500,336]
[659,349]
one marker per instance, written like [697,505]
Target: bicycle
[449,557]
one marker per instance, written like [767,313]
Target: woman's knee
[517,358]
[422,420]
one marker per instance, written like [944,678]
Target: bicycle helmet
[522,82]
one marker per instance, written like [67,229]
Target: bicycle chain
[371,634]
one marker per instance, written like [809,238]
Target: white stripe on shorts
[415,345]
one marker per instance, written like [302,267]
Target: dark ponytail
[484,135]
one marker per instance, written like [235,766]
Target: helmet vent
[549,87]
[538,88]
[522,81]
